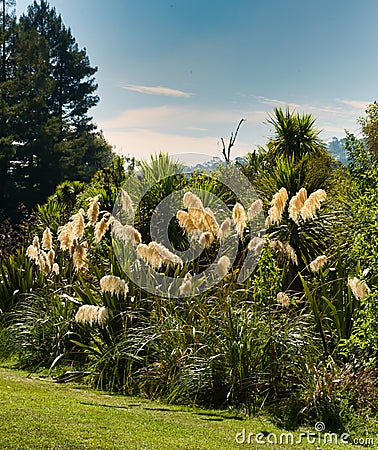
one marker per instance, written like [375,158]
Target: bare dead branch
[227,153]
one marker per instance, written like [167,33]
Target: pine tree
[74,89]
[46,90]
[7,20]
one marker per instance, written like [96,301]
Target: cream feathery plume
[185,221]
[169,258]
[51,256]
[239,217]
[32,253]
[66,236]
[114,285]
[278,204]
[127,233]
[291,252]
[44,263]
[191,200]
[78,224]
[318,263]
[126,203]
[312,204]
[359,288]
[256,244]
[206,239]
[41,263]
[55,269]
[296,204]
[47,239]
[36,243]
[101,228]
[156,255]
[222,266]
[209,221]
[79,256]
[143,251]
[196,216]
[91,315]
[225,229]
[93,210]
[255,209]
[186,286]
[283,299]
[102,316]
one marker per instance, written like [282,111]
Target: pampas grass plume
[255,209]
[114,285]
[126,203]
[359,288]
[318,263]
[206,239]
[32,253]
[47,239]
[93,210]
[278,204]
[100,229]
[312,204]
[191,200]
[239,217]
[222,266]
[296,204]
[283,299]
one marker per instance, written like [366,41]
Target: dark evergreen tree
[73,93]
[7,21]
[47,87]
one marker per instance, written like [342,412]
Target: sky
[177,75]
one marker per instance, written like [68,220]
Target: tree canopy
[47,89]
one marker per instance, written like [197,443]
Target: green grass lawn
[39,414]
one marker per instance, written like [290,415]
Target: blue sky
[176,75]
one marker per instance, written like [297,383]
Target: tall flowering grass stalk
[296,204]
[225,229]
[93,210]
[223,266]
[157,256]
[114,285]
[276,210]
[359,288]
[312,204]
[78,224]
[318,263]
[47,239]
[255,209]
[126,203]
[92,315]
[239,217]
[191,200]
[126,233]
[44,260]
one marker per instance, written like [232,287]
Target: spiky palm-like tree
[295,135]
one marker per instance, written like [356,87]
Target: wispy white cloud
[173,129]
[157,90]
[174,118]
[306,107]
[357,104]
[142,143]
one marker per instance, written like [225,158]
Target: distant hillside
[336,147]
